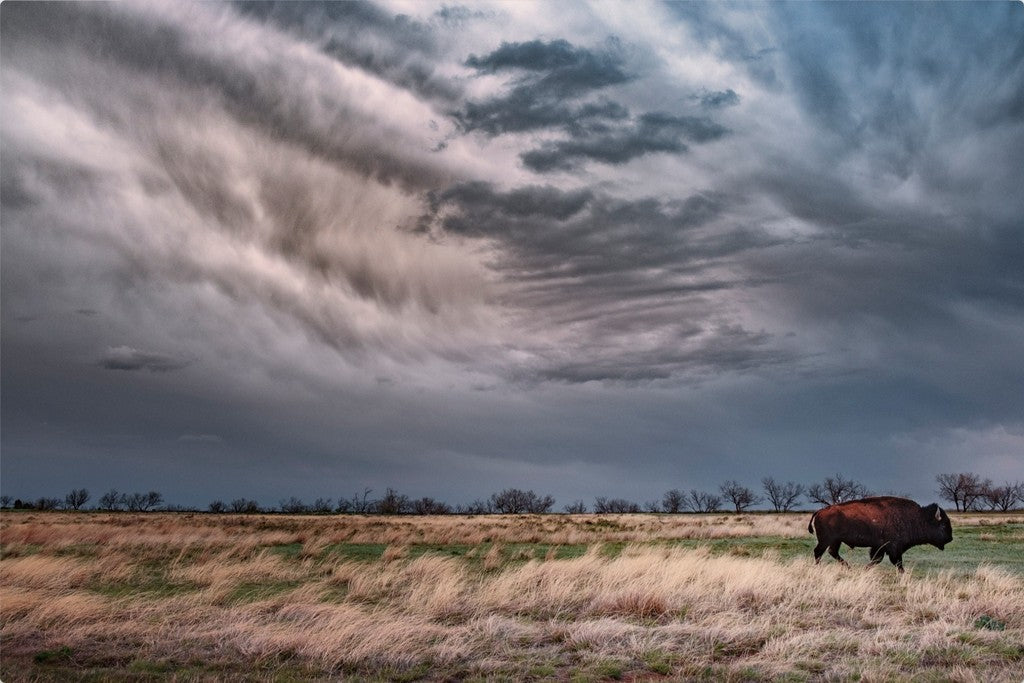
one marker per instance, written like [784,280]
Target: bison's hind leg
[833,550]
[819,550]
[876,555]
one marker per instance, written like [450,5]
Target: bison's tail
[810,524]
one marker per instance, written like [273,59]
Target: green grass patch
[19,549]
[56,656]
[78,550]
[358,552]
[289,551]
[146,583]
[658,661]
[149,666]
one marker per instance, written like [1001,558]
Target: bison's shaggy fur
[886,524]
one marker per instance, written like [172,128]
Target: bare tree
[358,504]
[701,501]
[975,497]
[477,507]
[293,506]
[217,507]
[673,500]
[1005,497]
[393,503]
[47,503]
[837,489]
[429,506]
[111,500]
[963,489]
[740,496]
[5,501]
[615,506]
[540,505]
[577,507]
[244,505]
[321,506]
[141,502]
[76,498]
[516,501]
[782,497]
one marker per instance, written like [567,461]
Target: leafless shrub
[615,506]
[393,503]
[783,497]
[76,498]
[1005,497]
[739,495]
[111,500]
[429,506]
[966,490]
[321,506]
[835,490]
[245,506]
[673,501]
[293,506]
[577,507]
[515,501]
[701,501]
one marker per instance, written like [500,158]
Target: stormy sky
[303,249]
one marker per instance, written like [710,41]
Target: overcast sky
[598,249]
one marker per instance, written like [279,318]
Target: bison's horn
[938,514]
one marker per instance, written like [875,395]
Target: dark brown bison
[885,524]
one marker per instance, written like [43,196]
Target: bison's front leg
[876,555]
[896,557]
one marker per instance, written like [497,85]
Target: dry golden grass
[204,596]
[244,533]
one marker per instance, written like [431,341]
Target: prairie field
[180,596]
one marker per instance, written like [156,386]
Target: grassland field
[734,597]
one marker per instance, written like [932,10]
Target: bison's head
[940,531]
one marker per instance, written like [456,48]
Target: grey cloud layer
[784,231]
[395,47]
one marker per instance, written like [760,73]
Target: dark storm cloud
[610,268]
[127,358]
[557,234]
[521,111]
[395,47]
[557,68]
[652,132]
[729,349]
[550,75]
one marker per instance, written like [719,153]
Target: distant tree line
[967,491]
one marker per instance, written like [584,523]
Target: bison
[885,524]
